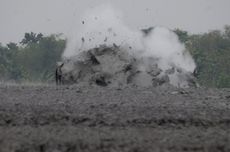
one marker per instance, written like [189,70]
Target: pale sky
[59,16]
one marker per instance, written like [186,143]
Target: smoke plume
[104,26]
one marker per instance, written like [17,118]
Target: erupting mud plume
[102,25]
[106,51]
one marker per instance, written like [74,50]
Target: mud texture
[98,119]
[117,66]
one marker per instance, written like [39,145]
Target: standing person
[58,73]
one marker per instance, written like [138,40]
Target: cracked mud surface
[73,118]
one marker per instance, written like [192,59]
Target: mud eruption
[104,51]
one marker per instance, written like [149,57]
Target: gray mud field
[97,119]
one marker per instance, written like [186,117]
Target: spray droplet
[110,29]
[82,39]
[105,40]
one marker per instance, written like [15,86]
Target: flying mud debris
[106,52]
[114,66]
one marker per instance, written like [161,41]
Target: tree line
[34,58]
[211,52]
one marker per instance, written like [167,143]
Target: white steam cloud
[104,25]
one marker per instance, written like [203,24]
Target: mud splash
[115,66]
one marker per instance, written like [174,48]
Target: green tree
[31,38]
[39,59]
[182,35]
[211,52]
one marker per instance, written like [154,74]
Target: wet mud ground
[97,119]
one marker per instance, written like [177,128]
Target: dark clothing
[58,75]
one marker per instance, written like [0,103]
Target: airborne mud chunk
[114,66]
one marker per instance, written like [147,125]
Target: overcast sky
[59,16]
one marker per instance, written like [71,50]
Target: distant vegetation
[34,59]
[211,52]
